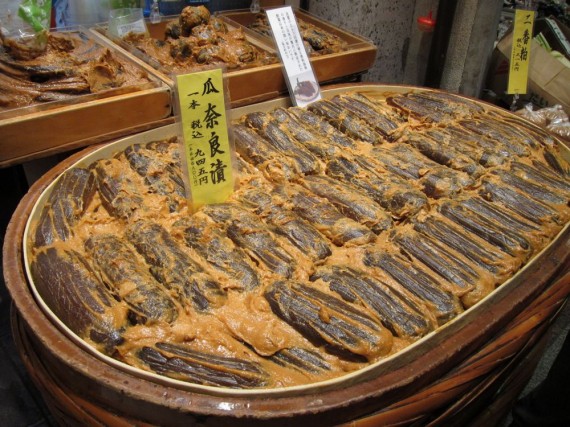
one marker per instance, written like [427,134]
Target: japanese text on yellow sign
[205,134]
[520,53]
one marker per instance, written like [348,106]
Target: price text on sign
[206,139]
[520,53]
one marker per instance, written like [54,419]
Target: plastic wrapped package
[552,118]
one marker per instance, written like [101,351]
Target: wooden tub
[452,375]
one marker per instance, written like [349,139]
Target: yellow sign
[520,53]
[207,149]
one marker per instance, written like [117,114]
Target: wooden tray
[442,374]
[37,131]
[252,85]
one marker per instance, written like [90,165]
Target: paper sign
[207,148]
[303,85]
[520,53]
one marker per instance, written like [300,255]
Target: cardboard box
[549,78]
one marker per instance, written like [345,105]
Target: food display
[71,65]
[359,226]
[196,40]
[317,41]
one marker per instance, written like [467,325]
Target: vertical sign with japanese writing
[520,53]
[303,85]
[207,149]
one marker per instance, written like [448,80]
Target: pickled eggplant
[86,305]
[161,177]
[340,229]
[301,359]
[397,312]
[174,268]
[347,122]
[130,281]
[119,193]
[254,237]
[437,181]
[510,241]
[66,204]
[350,202]
[181,362]
[285,222]
[329,321]
[281,141]
[389,191]
[423,285]
[219,251]
[322,127]
[383,121]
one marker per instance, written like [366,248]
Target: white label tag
[303,85]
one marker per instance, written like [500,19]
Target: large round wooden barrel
[452,377]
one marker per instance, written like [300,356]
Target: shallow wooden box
[36,131]
[257,84]
[450,376]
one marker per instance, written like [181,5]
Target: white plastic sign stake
[303,85]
